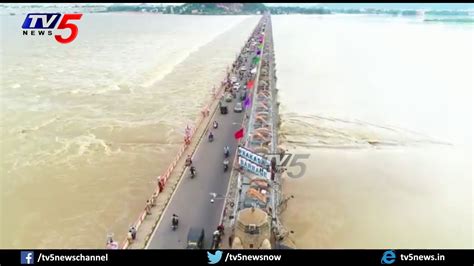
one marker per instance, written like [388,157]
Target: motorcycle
[215,125]
[216,239]
[226,165]
[174,223]
[226,153]
[193,171]
[211,138]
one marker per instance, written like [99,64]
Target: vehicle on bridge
[238,107]
[195,238]
[243,95]
[223,107]
[236,86]
[174,222]
[226,164]
[228,97]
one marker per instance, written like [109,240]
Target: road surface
[191,199]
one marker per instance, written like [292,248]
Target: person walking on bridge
[160,183]
[189,161]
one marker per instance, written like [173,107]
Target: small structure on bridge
[253,227]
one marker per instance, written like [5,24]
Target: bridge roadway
[191,199]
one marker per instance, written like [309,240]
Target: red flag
[250,84]
[239,133]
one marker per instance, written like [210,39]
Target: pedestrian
[187,140]
[158,180]
[130,235]
[134,232]
[111,244]
[148,207]
[161,186]
[154,198]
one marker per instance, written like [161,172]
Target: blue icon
[388,257]
[27,257]
[214,258]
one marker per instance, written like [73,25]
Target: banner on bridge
[253,157]
[254,168]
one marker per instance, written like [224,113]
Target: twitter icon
[214,258]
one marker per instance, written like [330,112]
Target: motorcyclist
[174,220]
[192,170]
[216,238]
[211,136]
[216,234]
[220,228]
[226,151]
[215,124]
[226,164]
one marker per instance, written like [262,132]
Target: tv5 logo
[37,21]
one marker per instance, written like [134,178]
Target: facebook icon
[27,257]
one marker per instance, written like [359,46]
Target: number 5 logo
[301,165]
[65,25]
[284,161]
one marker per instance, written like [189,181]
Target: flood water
[86,127]
[383,105]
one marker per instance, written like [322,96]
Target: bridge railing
[165,176]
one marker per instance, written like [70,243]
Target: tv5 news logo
[37,24]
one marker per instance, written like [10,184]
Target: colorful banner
[253,157]
[255,60]
[253,168]
[247,103]
[250,84]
